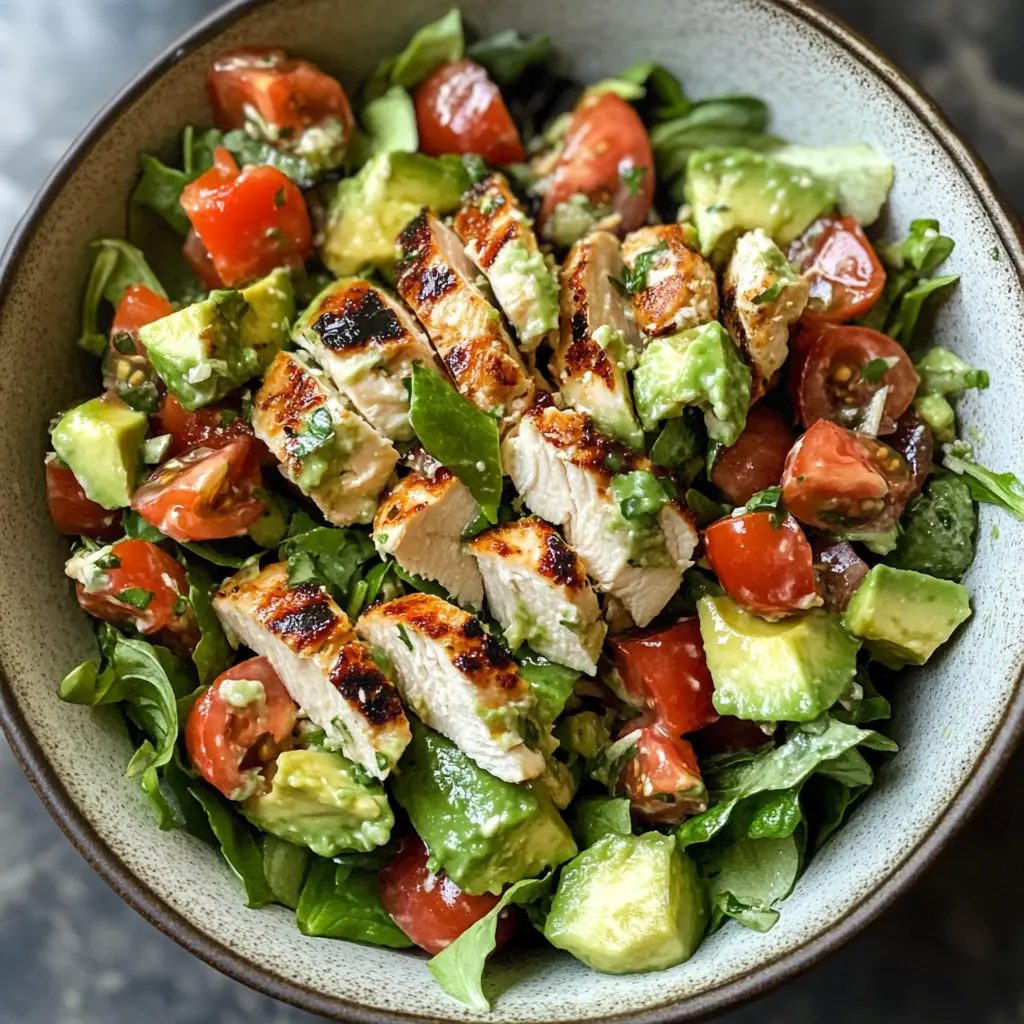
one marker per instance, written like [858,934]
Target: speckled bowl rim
[751,983]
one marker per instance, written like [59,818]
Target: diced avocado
[791,670]
[700,367]
[269,530]
[904,616]
[369,210]
[527,290]
[583,735]
[199,351]
[936,411]
[735,190]
[629,904]
[100,441]
[267,321]
[484,832]
[317,800]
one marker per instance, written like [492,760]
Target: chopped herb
[404,636]
[319,430]
[382,761]
[632,176]
[635,280]
[994,252]
[769,500]
[874,369]
[279,197]
[108,560]
[475,166]
[180,605]
[136,597]
[769,294]
[227,416]
[612,462]
[124,343]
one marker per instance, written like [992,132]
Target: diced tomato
[227,744]
[755,461]
[913,439]
[72,512]
[662,779]
[139,306]
[607,157]
[727,735]
[212,426]
[144,586]
[250,221]
[840,571]
[767,568]
[200,261]
[664,672]
[832,384]
[836,479]
[207,494]
[289,95]
[844,272]
[460,110]
[431,909]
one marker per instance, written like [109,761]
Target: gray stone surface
[72,953]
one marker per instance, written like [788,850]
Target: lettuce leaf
[285,867]
[1002,489]
[434,44]
[213,653]
[507,54]
[594,817]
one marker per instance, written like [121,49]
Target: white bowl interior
[946,715]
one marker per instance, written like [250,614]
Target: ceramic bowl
[955,720]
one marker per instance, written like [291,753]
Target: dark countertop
[72,953]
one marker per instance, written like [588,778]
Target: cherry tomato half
[139,306]
[766,568]
[755,461]
[664,671]
[607,157]
[250,221]
[845,275]
[212,426]
[662,779]
[833,386]
[840,571]
[207,494]
[72,512]
[460,110]
[226,743]
[913,439]
[431,909]
[836,479]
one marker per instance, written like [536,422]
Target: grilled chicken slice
[538,590]
[420,523]
[679,287]
[326,450]
[762,294]
[438,281]
[459,680]
[598,339]
[501,242]
[368,343]
[561,464]
[328,672]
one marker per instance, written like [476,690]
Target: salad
[509,499]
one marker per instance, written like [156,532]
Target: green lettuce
[436,43]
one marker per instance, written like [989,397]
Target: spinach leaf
[212,654]
[938,530]
[160,189]
[507,54]
[459,436]
[552,684]
[197,149]
[328,555]
[1002,489]
[435,44]
[598,816]
[285,866]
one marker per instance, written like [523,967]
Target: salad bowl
[956,720]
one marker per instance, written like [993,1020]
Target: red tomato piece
[836,479]
[664,671]
[139,306]
[250,221]
[913,439]
[207,494]
[200,261]
[662,779]
[212,426]
[755,461]
[460,110]
[230,745]
[767,569]
[729,734]
[73,513]
[832,385]
[607,157]
[144,586]
[845,274]
[431,909]
[840,571]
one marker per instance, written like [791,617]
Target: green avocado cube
[904,616]
[100,441]
[316,799]
[629,904]
[485,833]
[267,322]
[199,352]
[790,671]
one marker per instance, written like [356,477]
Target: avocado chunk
[736,190]
[700,367]
[267,322]
[369,210]
[100,440]
[629,904]
[485,833]
[904,616]
[317,799]
[199,352]
[791,670]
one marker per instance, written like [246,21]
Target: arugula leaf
[598,816]
[938,530]
[160,189]
[436,43]
[507,54]
[552,684]
[213,654]
[1002,489]
[943,373]
[285,866]
[328,555]
[459,436]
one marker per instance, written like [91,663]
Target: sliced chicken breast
[420,523]
[459,680]
[598,340]
[368,343]
[562,466]
[328,672]
[438,281]
[537,588]
[329,452]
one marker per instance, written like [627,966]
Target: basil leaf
[1002,489]
[213,654]
[160,189]
[285,867]
[328,555]
[436,43]
[599,816]
[137,597]
[317,431]
[94,682]
[767,500]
